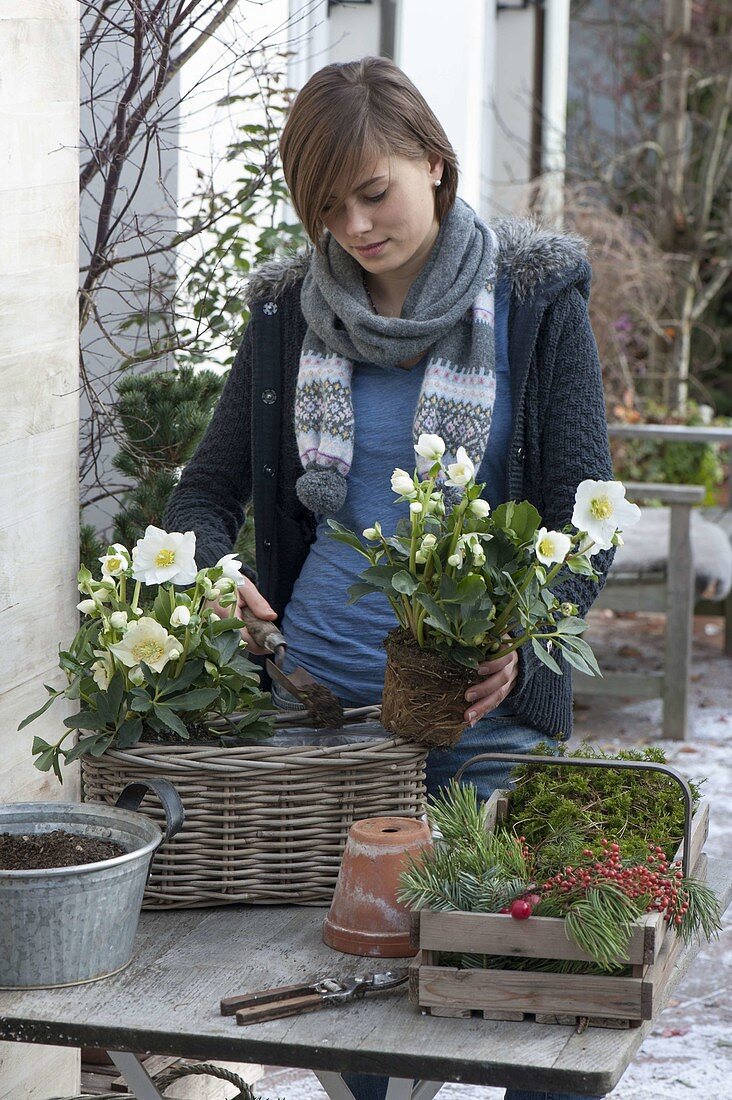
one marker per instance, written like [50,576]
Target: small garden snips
[291,1000]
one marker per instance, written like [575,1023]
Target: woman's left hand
[499,677]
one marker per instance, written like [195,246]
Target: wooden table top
[167,1002]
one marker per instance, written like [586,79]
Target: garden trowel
[321,704]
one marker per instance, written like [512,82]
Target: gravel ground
[690,1049]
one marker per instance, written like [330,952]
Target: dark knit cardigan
[558,438]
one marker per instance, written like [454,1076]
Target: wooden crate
[597,1000]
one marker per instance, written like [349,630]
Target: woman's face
[388,222]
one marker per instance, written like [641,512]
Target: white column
[446,52]
[554,121]
[39,123]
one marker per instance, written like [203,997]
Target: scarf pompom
[322,489]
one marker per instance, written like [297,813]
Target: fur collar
[529,254]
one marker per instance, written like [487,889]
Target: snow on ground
[689,1051]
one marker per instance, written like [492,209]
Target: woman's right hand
[249,596]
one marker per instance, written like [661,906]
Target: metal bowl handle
[585,762]
[133,794]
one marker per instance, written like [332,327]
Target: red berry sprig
[656,880]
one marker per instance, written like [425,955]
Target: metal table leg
[399,1088]
[334,1085]
[425,1090]
[136,1076]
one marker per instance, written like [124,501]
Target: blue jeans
[504,733]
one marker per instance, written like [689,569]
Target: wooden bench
[675,584]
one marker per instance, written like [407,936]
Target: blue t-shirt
[340,643]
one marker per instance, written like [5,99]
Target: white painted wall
[39,120]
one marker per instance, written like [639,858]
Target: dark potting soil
[39,851]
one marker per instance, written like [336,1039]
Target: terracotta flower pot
[424,692]
[365,917]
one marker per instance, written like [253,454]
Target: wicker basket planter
[266,822]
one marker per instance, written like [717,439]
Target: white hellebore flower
[600,509]
[102,669]
[461,472]
[402,483]
[428,542]
[551,546]
[160,556]
[146,640]
[115,564]
[455,559]
[181,616]
[232,568]
[480,508]
[420,557]
[100,675]
[415,507]
[431,447]
[86,606]
[118,620]
[372,533]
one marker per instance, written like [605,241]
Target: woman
[409,315]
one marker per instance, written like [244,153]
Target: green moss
[561,811]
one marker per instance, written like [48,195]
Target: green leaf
[226,646]
[448,588]
[404,582]
[39,745]
[191,671]
[85,720]
[102,745]
[42,710]
[48,760]
[479,624]
[437,617]
[467,657]
[470,589]
[223,626]
[581,566]
[84,744]
[381,575]
[342,534]
[525,521]
[579,645]
[502,516]
[129,733]
[544,657]
[402,545]
[199,699]
[571,625]
[575,659]
[361,588]
[115,694]
[170,719]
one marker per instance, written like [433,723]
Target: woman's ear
[436,166]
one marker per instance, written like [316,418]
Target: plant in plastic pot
[152,657]
[468,584]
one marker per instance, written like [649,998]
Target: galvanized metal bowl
[66,925]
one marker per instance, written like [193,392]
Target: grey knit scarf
[449,311]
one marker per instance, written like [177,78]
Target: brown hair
[344,118]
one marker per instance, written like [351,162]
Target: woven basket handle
[133,794]
[591,762]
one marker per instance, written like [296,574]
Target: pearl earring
[437,183]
